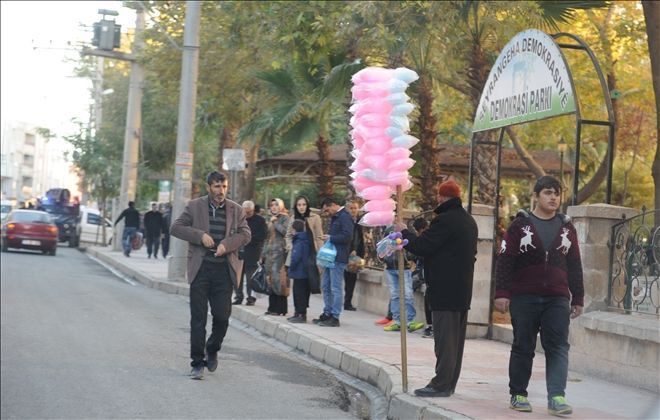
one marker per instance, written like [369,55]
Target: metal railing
[635,264]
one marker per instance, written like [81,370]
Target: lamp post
[561,147]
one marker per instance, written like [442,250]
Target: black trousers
[153,242]
[248,271]
[277,304]
[213,286]
[349,287]
[427,310]
[301,292]
[166,244]
[449,334]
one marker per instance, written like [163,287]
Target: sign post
[233,160]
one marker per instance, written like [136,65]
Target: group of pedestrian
[538,276]
[156,228]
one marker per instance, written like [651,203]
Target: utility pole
[185,135]
[133,129]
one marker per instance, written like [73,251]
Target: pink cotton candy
[378,192]
[376,145]
[378,218]
[395,178]
[372,74]
[375,161]
[404,141]
[369,132]
[371,106]
[379,205]
[400,165]
[397,153]
[361,183]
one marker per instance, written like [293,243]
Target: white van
[5,208]
[90,229]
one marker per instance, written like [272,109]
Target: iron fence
[635,264]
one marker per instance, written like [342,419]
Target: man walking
[251,252]
[215,229]
[539,280]
[357,249]
[153,224]
[167,220]
[339,234]
[131,225]
[449,247]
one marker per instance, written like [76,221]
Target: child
[420,225]
[300,251]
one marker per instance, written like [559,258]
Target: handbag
[326,256]
[258,281]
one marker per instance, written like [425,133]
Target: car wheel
[73,242]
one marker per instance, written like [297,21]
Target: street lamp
[561,147]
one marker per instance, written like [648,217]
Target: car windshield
[53,209]
[30,217]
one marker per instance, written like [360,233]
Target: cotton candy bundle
[381,144]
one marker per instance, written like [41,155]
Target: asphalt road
[77,342]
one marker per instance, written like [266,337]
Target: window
[27,181]
[93,219]
[28,160]
[30,139]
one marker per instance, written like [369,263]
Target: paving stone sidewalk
[365,351]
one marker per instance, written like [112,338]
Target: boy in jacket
[298,272]
[539,280]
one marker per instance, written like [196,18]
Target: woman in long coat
[313,225]
[275,257]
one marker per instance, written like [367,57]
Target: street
[78,342]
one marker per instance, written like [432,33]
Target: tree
[652,17]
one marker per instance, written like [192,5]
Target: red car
[29,229]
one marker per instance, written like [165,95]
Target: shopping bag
[137,239]
[258,281]
[326,256]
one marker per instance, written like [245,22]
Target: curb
[386,378]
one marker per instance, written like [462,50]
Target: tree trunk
[430,173]
[250,174]
[652,18]
[326,172]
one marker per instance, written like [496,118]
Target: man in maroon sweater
[539,280]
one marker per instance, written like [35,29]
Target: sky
[38,86]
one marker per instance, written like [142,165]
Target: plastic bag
[326,255]
[258,281]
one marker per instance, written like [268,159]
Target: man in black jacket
[131,225]
[153,224]
[449,247]
[251,252]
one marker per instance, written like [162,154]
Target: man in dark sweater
[251,253]
[539,281]
[131,225]
[153,225]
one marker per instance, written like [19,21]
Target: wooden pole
[402,298]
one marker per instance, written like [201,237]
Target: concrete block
[387,379]
[333,355]
[432,412]
[269,327]
[251,318]
[404,406]
[368,370]
[318,348]
[260,324]
[350,362]
[281,332]
[304,343]
[601,211]
[293,337]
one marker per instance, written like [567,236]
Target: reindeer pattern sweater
[525,267]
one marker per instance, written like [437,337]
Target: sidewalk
[365,351]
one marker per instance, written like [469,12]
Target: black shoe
[271,313]
[428,332]
[297,319]
[250,301]
[155,256]
[197,372]
[126,254]
[349,307]
[212,361]
[330,322]
[237,301]
[429,391]
[322,317]
[149,256]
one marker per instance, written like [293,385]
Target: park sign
[529,81]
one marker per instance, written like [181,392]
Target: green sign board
[529,81]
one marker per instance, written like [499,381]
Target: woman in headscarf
[314,230]
[275,257]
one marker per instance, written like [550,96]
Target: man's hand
[325,237]
[576,311]
[207,240]
[220,251]
[502,304]
[353,253]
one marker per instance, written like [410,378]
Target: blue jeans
[126,238]
[393,281]
[551,316]
[332,286]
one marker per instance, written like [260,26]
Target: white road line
[112,270]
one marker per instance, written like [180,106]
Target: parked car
[29,229]
[90,228]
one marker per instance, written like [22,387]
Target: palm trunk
[430,174]
[250,174]
[326,170]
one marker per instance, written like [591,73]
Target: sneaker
[197,372]
[520,403]
[212,361]
[330,322]
[237,301]
[322,317]
[428,332]
[557,406]
[349,307]
[250,301]
[392,327]
[414,326]
[384,321]
[297,319]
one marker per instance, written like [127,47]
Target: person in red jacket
[539,280]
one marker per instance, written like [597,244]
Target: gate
[635,264]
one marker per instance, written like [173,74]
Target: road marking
[112,270]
